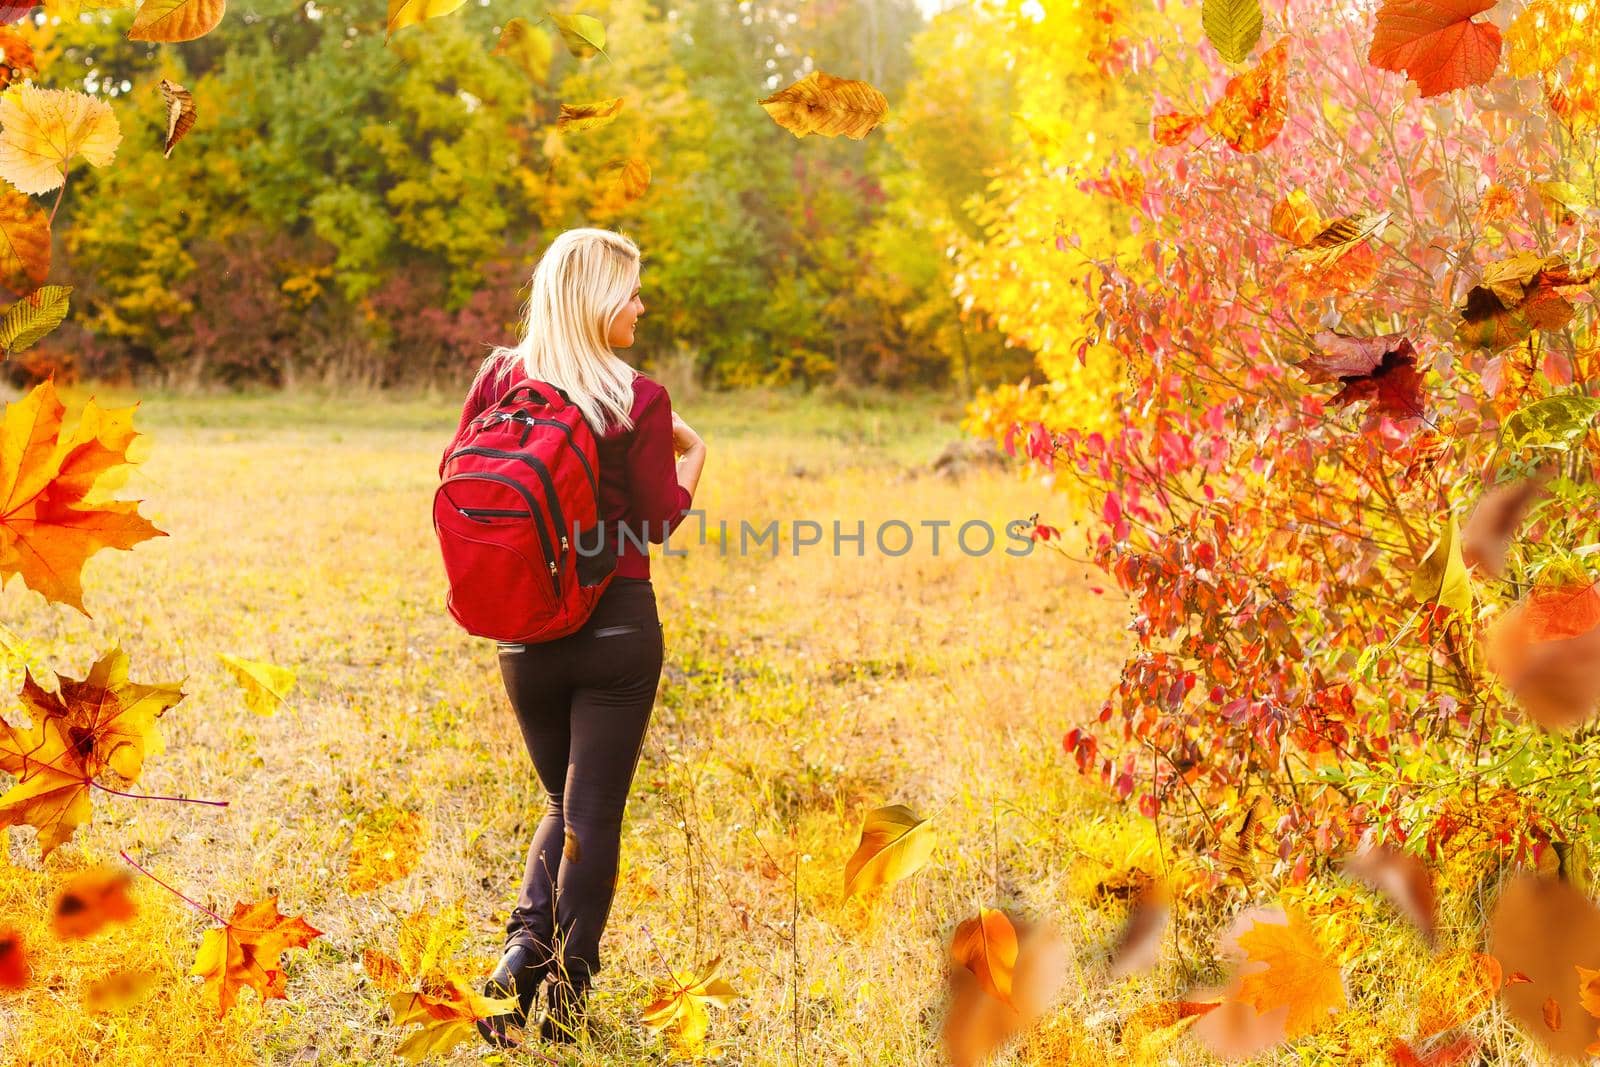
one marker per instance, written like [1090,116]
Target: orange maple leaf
[446,1010]
[91,899]
[244,952]
[54,510]
[1297,974]
[1436,43]
[986,945]
[97,724]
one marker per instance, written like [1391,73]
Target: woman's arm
[658,495]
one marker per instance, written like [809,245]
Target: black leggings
[583,702]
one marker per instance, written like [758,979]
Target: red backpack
[520,494]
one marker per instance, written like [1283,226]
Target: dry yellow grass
[799,692]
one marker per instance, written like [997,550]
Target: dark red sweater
[638,469]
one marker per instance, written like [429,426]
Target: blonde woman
[583,701]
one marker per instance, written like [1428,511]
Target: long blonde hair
[581,283]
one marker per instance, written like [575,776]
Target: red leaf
[1436,43]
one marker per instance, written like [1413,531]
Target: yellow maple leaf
[1297,974]
[54,489]
[43,130]
[679,1007]
[244,951]
[446,1010]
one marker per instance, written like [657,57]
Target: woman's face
[621,335]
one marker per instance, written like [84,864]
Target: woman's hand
[684,439]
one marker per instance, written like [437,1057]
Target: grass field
[799,692]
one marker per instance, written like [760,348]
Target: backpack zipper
[533,508]
[594,482]
[544,476]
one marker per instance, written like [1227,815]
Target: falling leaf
[1518,295]
[90,900]
[679,1007]
[244,952]
[584,35]
[1546,649]
[1545,929]
[1494,521]
[576,117]
[1381,369]
[43,130]
[17,60]
[1436,43]
[265,686]
[384,848]
[1552,1013]
[1234,1030]
[1338,238]
[1400,876]
[1295,972]
[1139,943]
[528,48]
[1232,26]
[823,104]
[119,989]
[977,1023]
[33,317]
[403,13]
[1251,112]
[986,945]
[15,971]
[446,1010]
[103,722]
[1236,849]
[894,845]
[24,242]
[175,20]
[52,513]
[1441,577]
[1296,219]
[180,113]
[1174,128]
[630,178]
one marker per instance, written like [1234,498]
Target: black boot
[517,974]
[566,1013]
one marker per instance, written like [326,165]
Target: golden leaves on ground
[679,1005]
[24,242]
[91,900]
[577,117]
[527,48]
[265,685]
[1002,981]
[175,20]
[1546,649]
[54,511]
[403,13]
[43,130]
[1455,989]
[244,951]
[438,999]
[180,113]
[33,317]
[894,845]
[102,723]
[1436,43]
[385,847]
[1250,114]
[824,104]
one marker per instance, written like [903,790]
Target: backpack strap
[538,392]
